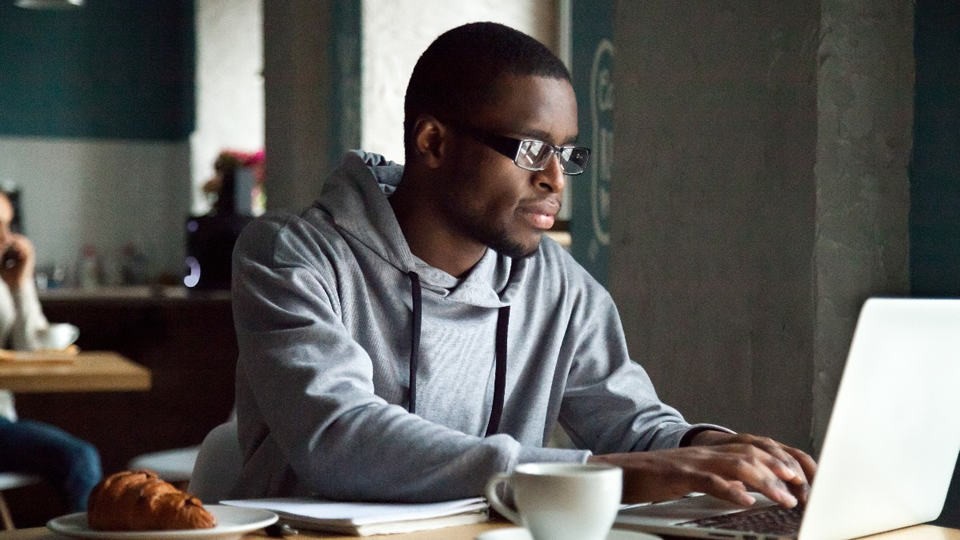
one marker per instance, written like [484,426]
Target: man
[413,332]
[70,464]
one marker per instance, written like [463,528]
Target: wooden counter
[95,371]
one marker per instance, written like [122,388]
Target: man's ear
[430,140]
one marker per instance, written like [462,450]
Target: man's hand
[724,465]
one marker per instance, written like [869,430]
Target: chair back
[11,480]
[174,465]
[218,464]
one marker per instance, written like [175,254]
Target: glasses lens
[533,154]
[573,159]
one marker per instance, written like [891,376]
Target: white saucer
[519,533]
[232,523]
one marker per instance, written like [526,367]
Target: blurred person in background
[70,464]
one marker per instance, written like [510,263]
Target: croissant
[141,501]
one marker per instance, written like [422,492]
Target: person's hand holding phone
[18,261]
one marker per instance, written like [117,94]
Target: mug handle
[496,502]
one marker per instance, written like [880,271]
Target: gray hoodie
[326,306]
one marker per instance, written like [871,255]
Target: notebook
[892,441]
[370,518]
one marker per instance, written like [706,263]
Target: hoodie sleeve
[610,404]
[309,418]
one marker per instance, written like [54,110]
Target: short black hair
[459,70]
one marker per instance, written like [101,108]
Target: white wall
[392,43]
[100,192]
[229,85]
[110,192]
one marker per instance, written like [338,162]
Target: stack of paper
[364,519]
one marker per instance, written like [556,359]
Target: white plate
[519,533]
[232,523]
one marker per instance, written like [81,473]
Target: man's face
[489,199]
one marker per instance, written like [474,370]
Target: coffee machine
[210,238]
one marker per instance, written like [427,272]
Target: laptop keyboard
[774,520]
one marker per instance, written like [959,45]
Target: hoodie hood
[356,196]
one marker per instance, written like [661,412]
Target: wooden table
[94,371]
[469,532]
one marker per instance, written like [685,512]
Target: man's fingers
[734,491]
[758,470]
[787,467]
[796,468]
[729,471]
[806,462]
[791,465]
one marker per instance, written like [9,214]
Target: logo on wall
[601,162]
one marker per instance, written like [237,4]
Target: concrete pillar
[759,193]
[864,139]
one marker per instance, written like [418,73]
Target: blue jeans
[70,464]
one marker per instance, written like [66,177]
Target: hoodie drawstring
[500,375]
[414,339]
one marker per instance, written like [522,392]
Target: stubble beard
[511,248]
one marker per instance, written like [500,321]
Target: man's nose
[551,178]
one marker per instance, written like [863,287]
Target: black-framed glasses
[532,154]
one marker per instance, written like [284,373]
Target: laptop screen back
[893,435]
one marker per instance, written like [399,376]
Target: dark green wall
[112,69]
[935,170]
[344,57]
[592,70]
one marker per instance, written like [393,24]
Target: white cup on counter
[58,336]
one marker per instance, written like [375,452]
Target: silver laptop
[891,444]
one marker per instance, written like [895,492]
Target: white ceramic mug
[58,336]
[560,501]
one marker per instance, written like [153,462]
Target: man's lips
[541,214]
